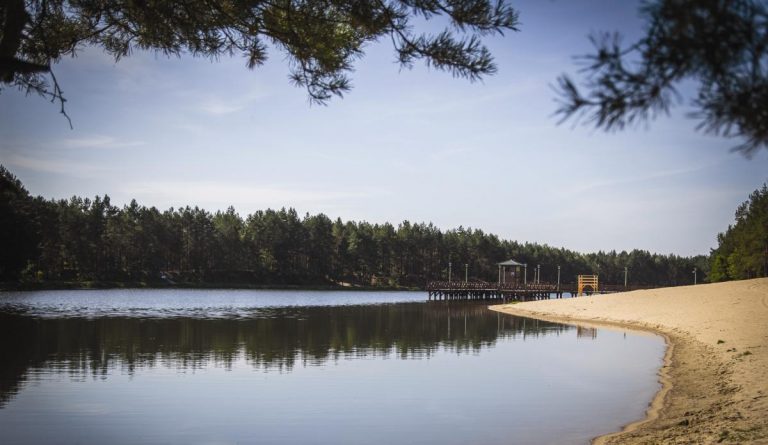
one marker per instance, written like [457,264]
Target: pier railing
[563,287]
[482,285]
[482,290]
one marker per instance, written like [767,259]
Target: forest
[83,240]
[742,251]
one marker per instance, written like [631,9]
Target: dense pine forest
[742,250]
[90,240]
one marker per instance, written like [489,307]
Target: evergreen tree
[719,46]
[18,234]
[320,38]
[82,240]
[742,251]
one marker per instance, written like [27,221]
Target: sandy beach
[715,375]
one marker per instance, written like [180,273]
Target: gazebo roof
[510,263]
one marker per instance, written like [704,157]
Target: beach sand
[715,375]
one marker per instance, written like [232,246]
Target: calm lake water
[304,367]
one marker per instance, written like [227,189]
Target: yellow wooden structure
[587,281]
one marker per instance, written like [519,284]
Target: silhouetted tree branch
[720,44]
[321,38]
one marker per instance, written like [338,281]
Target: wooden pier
[513,285]
[480,290]
[484,291]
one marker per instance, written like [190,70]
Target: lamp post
[499,274]
[466,272]
[558,278]
[449,271]
[625,277]
[525,274]
[694,275]
[538,273]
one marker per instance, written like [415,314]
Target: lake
[307,367]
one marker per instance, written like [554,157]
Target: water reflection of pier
[456,314]
[582,332]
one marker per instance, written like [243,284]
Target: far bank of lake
[159,284]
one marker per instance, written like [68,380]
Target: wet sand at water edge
[715,373]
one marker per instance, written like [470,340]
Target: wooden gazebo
[510,272]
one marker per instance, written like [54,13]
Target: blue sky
[403,144]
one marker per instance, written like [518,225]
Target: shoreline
[713,389]
[108,285]
[659,398]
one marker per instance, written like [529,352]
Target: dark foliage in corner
[721,45]
[320,38]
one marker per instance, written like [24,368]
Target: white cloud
[99,141]
[51,146]
[453,152]
[652,176]
[219,106]
[207,193]
[60,166]
[429,104]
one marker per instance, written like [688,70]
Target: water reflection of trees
[271,339]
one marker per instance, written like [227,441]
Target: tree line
[742,251]
[82,239]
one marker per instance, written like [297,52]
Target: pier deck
[480,290]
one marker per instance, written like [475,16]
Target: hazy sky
[411,144]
